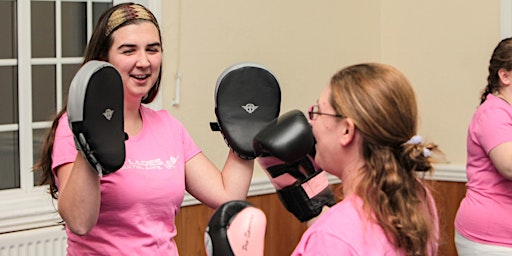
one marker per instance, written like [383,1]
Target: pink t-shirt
[140,201]
[485,212]
[345,230]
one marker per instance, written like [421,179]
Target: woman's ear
[505,76]
[348,131]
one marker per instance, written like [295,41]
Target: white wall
[443,47]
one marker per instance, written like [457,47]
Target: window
[42,45]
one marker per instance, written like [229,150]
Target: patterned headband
[128,13]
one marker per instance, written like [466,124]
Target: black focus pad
[95,115]
[247,98]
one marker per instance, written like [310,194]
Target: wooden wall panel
[284,230]
[191,224]
[447,196]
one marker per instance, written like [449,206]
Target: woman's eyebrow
[134,45]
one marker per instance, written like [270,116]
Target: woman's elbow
[79,229]
[505,170]
[507,174]
[78,225]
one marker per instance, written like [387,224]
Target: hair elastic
[418,140]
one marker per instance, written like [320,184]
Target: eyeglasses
[313,113]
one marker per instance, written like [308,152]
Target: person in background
[365,127]
[483,225]
[132,211]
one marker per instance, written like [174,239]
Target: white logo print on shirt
[153,164]
[171,162]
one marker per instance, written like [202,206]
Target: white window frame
[506,18]
[30,206]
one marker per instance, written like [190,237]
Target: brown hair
[381,102]
[501,58]
[97,49]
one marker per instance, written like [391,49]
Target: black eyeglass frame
[314,114]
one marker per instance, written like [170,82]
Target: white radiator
[49,241]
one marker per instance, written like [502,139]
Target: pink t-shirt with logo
[140,201]
[485,212]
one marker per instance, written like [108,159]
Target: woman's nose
[143,60]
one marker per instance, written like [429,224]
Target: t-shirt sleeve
[190,147]
[494,127]
[64,150]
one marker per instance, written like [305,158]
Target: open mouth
[140,77]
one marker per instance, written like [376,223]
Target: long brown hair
[97,49]
[381,102]
[501,58]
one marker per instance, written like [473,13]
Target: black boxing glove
[96,115]
[236,228]
[285,150]
[247,98]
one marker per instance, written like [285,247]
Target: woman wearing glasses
[365,125]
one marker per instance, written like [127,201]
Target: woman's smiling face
[136,52]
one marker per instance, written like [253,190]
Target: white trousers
[466,247]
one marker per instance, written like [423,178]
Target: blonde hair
[382,104]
